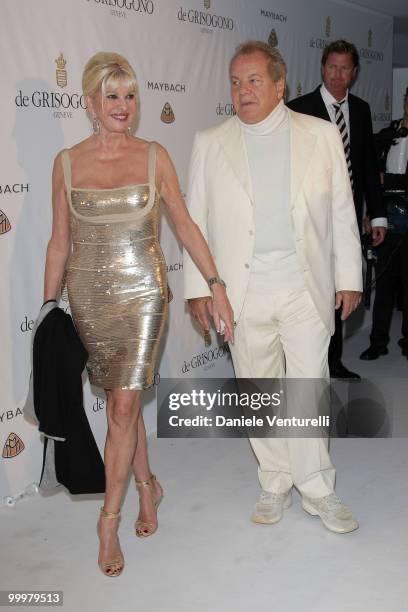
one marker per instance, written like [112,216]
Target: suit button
[247,265]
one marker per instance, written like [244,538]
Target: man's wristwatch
[215,279]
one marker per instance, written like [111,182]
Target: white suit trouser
[281,334]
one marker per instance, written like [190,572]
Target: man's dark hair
[341,46]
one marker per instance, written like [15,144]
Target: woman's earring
[96,128]
[129,130]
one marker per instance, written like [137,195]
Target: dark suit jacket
[364,165]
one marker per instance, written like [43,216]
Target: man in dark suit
[391,269]
[333,102]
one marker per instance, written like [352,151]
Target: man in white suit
[270,191]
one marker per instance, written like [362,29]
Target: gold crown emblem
[273,39]
[4,223]
[207,4]
[61,62]
[370,38]
[13,446]
[61,73]
[207,338]
[328,27]
[167,114]
[299,90]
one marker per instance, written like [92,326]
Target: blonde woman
[106,194]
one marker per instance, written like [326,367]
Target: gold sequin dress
[116,279]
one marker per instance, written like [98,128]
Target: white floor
[207,556]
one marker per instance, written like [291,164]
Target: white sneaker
[334,514]
[270,507]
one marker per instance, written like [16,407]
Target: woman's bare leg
[142,472]
[123,410]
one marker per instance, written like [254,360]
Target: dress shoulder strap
[66,167]
[151,167]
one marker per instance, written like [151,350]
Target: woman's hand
[222,312]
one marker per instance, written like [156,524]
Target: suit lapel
[302,144]
[321,109]
[353,119]
[232,142]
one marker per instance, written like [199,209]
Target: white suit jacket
[321,205]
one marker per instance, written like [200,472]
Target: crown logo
[207,338]
[61,73]
[387,101]
[328,27]
[4,223]
[273,39]
[13,446]
[370,38]
[207,4]
[298,90]
[167,114]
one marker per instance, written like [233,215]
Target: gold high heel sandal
[142,528]
[107,565]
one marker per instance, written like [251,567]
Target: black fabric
[336,341]
[59,359]
[391,270]
[366,181]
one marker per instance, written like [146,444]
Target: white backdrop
[180,51]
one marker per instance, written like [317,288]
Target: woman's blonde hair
[104,70]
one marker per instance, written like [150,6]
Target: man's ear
[280,88]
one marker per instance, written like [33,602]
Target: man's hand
[378,235]
[200,308]
[348,301]
[219,308]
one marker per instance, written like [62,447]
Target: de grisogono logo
[5,225]
[167,114]
[61,75]
[368,53]
[225,110]
[13,446]
[207,358]
[62,103]
[328,27]
[145,7]
[205,18]
[321,43]
[384,116]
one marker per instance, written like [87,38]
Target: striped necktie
[341,124]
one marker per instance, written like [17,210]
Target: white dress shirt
[397,158]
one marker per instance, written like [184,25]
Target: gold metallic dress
[116,279]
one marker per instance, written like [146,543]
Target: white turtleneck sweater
[274,263]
